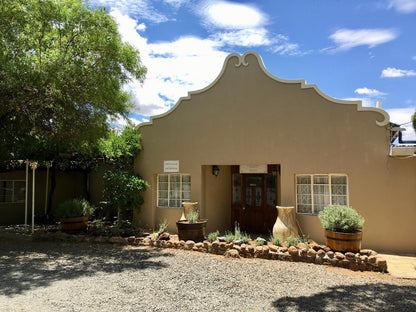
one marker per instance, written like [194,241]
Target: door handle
[244,208]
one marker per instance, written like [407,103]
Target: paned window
[316,191]
[173,189]
[12,191]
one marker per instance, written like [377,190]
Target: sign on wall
[253,168]
[171,166]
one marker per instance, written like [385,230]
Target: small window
[12,191]
[173,189]
[316,191]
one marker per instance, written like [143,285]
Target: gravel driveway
[51,276]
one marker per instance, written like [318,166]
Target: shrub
[276,240]
[213,236]
[339,218]
[245,238]
[293,241]
[74,208]
[260,242]
[192,216]
[122,189]
[229,237]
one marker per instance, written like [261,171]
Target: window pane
[163,194]
[303,179]
[305,208]
[175,178]
[186,178]
[163,178]
[339,179]
[236,189]
[19,191]
[320,179]
[339,200]
[271,190]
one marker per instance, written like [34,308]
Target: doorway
[254,199]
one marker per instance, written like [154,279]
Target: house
[250,141]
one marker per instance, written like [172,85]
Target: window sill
[168,207]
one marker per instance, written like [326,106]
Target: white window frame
[13,189]
[330,175]
[182,199]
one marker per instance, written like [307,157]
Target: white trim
[168,190]
[330,175]
[241,60]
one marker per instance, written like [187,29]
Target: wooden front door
[254,198]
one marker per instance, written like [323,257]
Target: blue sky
[362,50]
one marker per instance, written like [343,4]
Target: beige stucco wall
[249,117]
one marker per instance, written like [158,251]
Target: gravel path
[50,276]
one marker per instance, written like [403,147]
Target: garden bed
[365,260]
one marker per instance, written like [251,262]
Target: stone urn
[188,207]
[285,224]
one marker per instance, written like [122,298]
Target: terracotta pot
[285,224]
[191,231]
[339,241]
[74,224]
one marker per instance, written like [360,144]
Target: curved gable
[240,61]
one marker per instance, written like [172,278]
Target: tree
[122,187]
[62,69]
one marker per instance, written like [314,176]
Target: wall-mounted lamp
[215,170]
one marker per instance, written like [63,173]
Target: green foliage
[122,189]
[338,218]
[122,148]
[245,238]
[192,216]
[293,241]
[276,240]
[74,208]
[229,237]
[213,236]
[414,121]
[259,242]
[162,227]
[62,70]
[237,231]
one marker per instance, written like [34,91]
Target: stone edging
[365,260]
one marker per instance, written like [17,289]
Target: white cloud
[403,6]
[414,58]
[403,117]
[229,15]
[176,3]
[174,68]
[346,39]
[244,37]
[137,8]
[391,72]
[369,92]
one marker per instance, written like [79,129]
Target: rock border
[365,260]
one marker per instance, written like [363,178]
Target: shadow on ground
[25,264]
[370,297]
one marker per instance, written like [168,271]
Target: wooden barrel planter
[74,224]
[191,231]
[339,241]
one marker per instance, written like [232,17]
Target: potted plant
[192,228]
[343,228]
[74,214]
